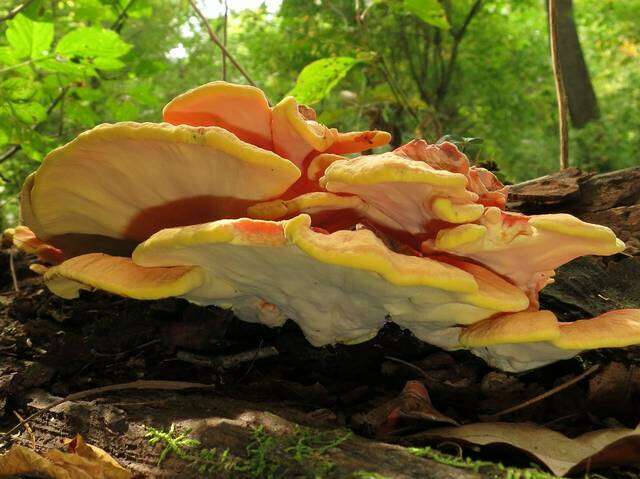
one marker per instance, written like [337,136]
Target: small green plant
[268,456]
[368,475]
[491,468]
[205,460]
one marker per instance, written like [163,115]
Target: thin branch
[12,150]
[457,38]
[140,384]
[399,95]
[546,394]
[216,40]
[14,276]
[15,11]
[395,89]
[472,13]
[119,23]
[561,93]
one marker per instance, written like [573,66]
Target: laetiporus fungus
[235,203]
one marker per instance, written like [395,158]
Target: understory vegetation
[471,69]
[268,456]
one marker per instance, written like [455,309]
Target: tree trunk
[583,104]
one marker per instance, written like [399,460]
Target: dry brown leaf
[411,408]
[562,455]
[81,461]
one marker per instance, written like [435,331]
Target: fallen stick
[141,384]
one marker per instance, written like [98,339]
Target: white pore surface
[523,356]
[330,303]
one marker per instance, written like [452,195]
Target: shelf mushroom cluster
[256,208]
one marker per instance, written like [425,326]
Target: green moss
[368,475]
[492,469]
[268,456]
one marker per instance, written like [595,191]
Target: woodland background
[478,70]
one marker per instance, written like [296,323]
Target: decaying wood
[119,423]
[590,286]
[611,199]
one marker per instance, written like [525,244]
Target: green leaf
[7,56]
[89,94]
[4,137]
[93,10]
[62,65]
[17,88]
[429,11]
[82,113]
[318,78]
[103,63]
[124,111]
[30,113]
[28,38]
[140,9]
[92,42]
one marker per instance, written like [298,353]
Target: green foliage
[204,460]
[318,78]
[488,468]
[267,456]
[429,11]
[92,42]
[28,38]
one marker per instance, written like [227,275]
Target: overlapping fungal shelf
[243,205]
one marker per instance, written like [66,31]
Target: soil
[272,379]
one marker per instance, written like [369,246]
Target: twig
[227,362]
[141,384]
[561,94]
[119,23]
[28,428]
[457,36]
[16,148]
[122,354]
[15,11]
[414,367]
[253,361]
[10,152]
[216,40]
[14,277]
[546,394]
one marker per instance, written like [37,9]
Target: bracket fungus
[238,204]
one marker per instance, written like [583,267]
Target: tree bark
[583,104]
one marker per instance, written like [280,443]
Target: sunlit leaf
[92,42]
[4,137]
[104,63]
[123,110]
[318,78]
[18,88]
[61,65]
[7,56]
[28,38]
[429,11]
[81,113]
[30,113]
[139,9]
[92,10]
[91,94]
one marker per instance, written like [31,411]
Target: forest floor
[274,406]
